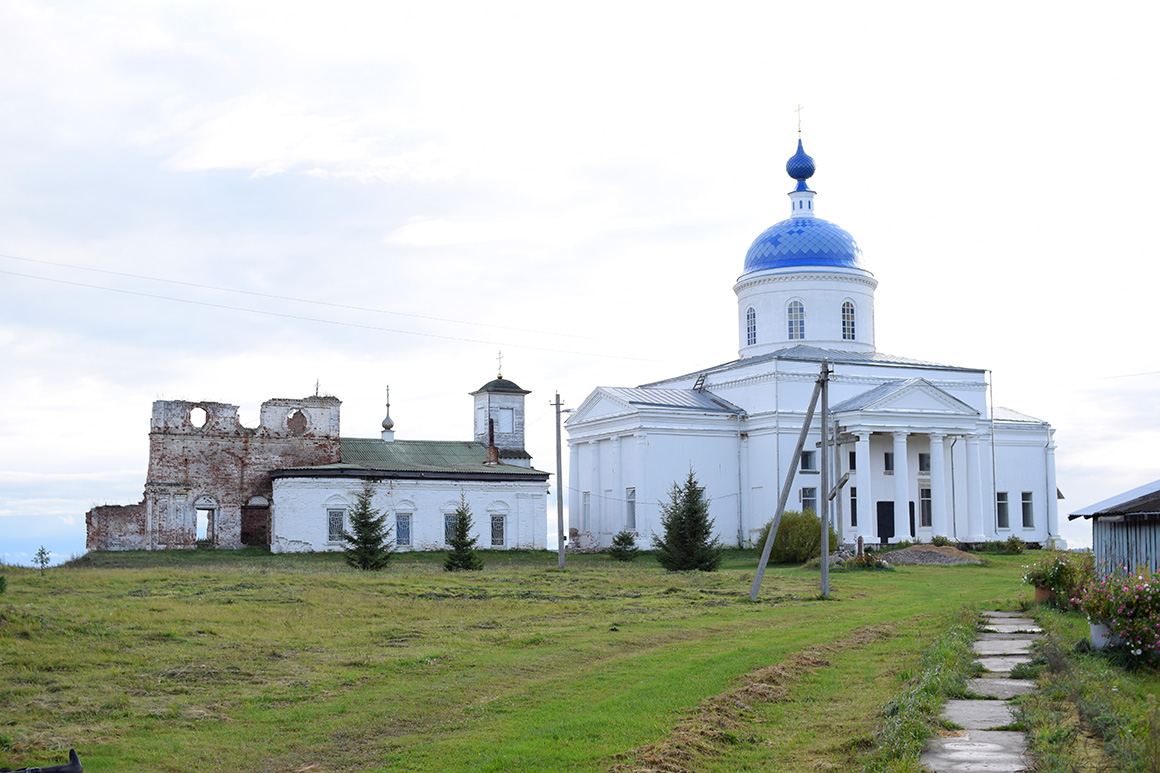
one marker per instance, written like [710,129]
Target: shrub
[1064,573]
[42,558]
[3,584]
[462,555]
[688,541]
[1129,606]
[865,561]
[623,547]
[941,541]
[1014,545]
[798,538]
[367,543]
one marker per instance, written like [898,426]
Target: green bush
[941,541]
[688,541]
[1065,573]
[798,538]
[623,547]
[1014,545]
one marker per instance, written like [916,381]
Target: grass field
[218,660]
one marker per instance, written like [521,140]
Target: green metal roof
[414,459]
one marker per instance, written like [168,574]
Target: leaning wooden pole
[785,489]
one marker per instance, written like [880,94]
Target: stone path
[1004,642]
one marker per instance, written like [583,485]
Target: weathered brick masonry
[219,467]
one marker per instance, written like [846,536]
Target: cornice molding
[799,276]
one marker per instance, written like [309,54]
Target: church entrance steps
[1004,641]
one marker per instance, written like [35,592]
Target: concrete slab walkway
[1004,641]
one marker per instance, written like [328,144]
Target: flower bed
[1065,574]
[1129,606]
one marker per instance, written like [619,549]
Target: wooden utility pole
[559,487]
[824,494]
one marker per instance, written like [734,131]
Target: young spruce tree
[368,545]
[688,542]
[462,555]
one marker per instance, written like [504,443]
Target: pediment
[912,396]
[599,404]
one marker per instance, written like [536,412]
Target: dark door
[885,521]
[256,527]
[912,532]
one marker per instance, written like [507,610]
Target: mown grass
[214,660]
[1091,713]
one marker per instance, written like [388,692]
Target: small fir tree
[623,547]
[41,558]
[688,541]
[462,555]
[368,544]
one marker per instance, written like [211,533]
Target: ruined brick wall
[116,527]
[202,458]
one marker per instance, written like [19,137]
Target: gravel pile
[927,555]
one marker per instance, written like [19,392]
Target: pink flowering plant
[1129,605]
[1064,573]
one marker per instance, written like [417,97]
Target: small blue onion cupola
[804,241]
[800,167]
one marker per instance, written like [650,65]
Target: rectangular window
[506,421]
[924,507]
[853,506]
[586,511]
[853,461]
[810,499]
[924,464]
[403,529]
[1028,511]
[888,462]
[1002,519]
[809,461]
[497,522]
[630,509]
[448,527]
[480,421]
[334,521]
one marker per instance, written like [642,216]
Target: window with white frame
[403,529]
[796,316]
[448,527]
[924,464]
[750,326]
[1028,511]
[888,462]
[586,511]
[1002,516]
[853,461]
[809,461]
[924,507]
[335,518]
[853,506]
[481,421]
[497,531]
[847,321]
[630,509]
[507,421]
[809,499]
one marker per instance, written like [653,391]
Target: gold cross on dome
[499,364]
[799,112]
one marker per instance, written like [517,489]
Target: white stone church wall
[299,511]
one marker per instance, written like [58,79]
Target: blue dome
[803,241]
[800,166]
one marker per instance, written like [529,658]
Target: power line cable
[324,321]
[288,297]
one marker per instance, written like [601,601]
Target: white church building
[919,448]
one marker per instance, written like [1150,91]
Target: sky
[235,201]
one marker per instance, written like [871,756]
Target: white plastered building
[921,450]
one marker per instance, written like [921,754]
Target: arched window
[847,321]
[750,326]
[797,320]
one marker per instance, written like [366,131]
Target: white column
[643,510]
[598,503]
[938,486]
[744,514]
[901,489]
[1052,504]
[974,493]
[616,506]
[573,487]
[867,510]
